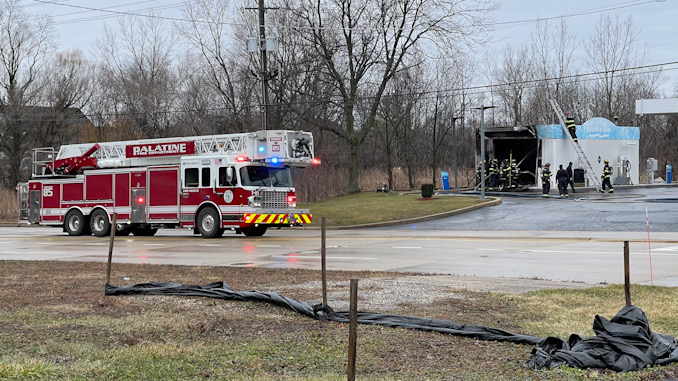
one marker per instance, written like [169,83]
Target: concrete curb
[490,202]
[10,224]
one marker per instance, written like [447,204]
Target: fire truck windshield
[263,176]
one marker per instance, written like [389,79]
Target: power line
[572,78]
[497,25]
[509,24]
[114,13]
[432,94]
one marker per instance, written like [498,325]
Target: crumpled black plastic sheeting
[624,343]
[220,290]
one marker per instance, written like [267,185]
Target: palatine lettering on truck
[160,149]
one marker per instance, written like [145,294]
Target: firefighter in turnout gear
[561,180]
[571,127]
[546,179]
[607,172]
[494,174]
[515,174]
[504,175]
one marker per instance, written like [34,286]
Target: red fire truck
[211,183]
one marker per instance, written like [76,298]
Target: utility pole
[262,45]
[264,66]
[454,148]
[482,149]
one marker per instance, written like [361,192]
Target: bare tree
[25,43]
[394,131]
[224,61]
[611,52]
[463,149]
[137,71]
[515,74]
[552,52]
[70,86]
[362,44]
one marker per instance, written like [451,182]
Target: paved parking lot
[583,211]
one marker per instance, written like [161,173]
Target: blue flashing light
[274,160]
[261,148]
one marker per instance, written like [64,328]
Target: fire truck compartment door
[34,209]
[138,206]
[163,194]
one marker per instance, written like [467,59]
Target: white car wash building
[599,139]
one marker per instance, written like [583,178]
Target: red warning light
[316,161]
[140,200]
[241,159]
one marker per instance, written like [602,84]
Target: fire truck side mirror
[229,175]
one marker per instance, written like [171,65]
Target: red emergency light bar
[241,159]
[315,161]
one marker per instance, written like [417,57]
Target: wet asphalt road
[524,237]
[623,211]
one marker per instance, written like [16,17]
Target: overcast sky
[80,22]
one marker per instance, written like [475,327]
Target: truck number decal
[47,191]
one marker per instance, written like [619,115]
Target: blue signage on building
[596,128]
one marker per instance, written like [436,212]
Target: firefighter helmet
[607,161]
[547,165]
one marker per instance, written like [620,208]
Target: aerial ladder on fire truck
[277,147]
[588,169]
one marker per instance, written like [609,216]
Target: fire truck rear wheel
[254,231]
[209,223]
[75,223]
[99,223]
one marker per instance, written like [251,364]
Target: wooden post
[352,329]
[322,259]
[627,274]
[114,224]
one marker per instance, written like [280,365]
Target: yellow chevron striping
[278,218]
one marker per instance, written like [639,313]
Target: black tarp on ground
[221,290]
[624,343]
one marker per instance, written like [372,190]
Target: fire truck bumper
[291,217]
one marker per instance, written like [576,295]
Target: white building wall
[560,151]
[598,137]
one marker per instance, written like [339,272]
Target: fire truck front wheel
[76,224]
[209,224]
[99,223]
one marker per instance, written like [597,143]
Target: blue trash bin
[446,180]
[668,173]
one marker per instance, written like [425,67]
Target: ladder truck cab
[239,182]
